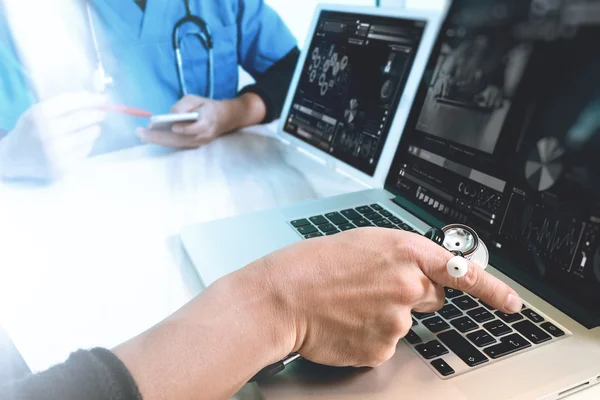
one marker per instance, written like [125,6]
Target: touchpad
[221,247]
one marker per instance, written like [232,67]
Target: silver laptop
[504,136]
[354,85]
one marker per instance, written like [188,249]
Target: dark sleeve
[272,86]
[91,375]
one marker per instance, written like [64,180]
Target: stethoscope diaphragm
[463,241]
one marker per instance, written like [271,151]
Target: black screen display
[351,84]
[504,136]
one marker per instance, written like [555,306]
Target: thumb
[187,104]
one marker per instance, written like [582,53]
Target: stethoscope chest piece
[463,241]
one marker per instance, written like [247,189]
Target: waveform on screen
[547,233]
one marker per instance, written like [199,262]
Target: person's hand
[51,137]
[490,97]
[347,299]
[191,135]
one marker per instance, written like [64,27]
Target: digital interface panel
[351,85]
[504,136]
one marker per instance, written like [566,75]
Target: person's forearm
[245,110]
[214,345]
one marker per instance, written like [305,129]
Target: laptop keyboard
[345,220]
[466,333]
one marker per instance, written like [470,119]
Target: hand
[491,97]
[348,298]
[52,137]
[191,135]
[343,300]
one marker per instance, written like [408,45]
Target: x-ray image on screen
[470,96]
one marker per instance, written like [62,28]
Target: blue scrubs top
[137,52]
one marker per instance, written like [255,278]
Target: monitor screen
[351,84]
[504,136]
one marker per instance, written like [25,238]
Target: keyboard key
[465,303]
[509,318]
[422,315]
[319,220]
[327,228]
[441,367]
[351,214]
[449,311]
[532,315]
[364,209]
[373,216]
[531,332]
[405,227]
[376,207]
[383,223]
[464,324]
[396,220]
[414,322]
[386,213]
[336,218]
[430,350]
[481,338]
[413,338]
[497,328]
[313,235]
[462,348]
[307,230]
[436,324]
[552,329]
[508,345]
[332,233]
[486,306]
[300,222]
[452,293]
[346,227]
[362,223]
[480,315]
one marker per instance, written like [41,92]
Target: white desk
[94,259]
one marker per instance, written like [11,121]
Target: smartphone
[165,122]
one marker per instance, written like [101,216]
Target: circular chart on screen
[351,111]
[545,164]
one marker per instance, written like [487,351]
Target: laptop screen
[504,136]
[351,84]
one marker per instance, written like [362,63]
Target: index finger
[194,128]
[432,259]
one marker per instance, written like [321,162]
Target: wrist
[270,310]
[240,112]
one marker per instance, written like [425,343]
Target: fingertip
[513,303]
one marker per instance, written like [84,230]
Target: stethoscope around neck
[102,80]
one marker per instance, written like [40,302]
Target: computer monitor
[504,136]
[351,84]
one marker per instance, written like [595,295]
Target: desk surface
[94,259]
